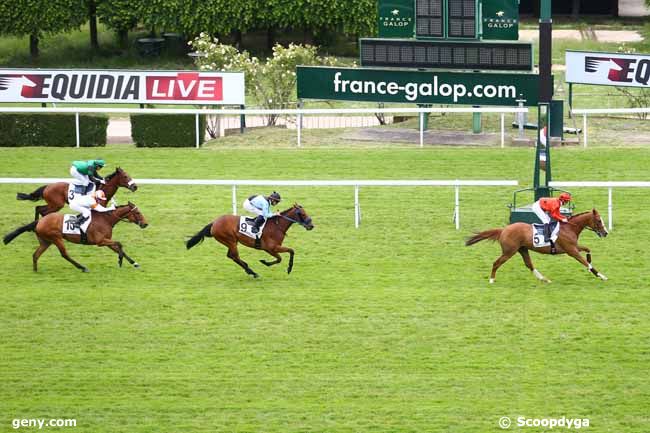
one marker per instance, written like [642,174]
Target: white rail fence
[609,185]
[299,113]
[587,111]
[356,184]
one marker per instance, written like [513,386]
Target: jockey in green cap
[85,174]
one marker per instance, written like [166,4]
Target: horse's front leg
[117,247]
[575,253]
[587,250]
[280,249]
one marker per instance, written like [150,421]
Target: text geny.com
[412,91]
[40,423]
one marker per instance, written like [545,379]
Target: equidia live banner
[609,69]
[419,87]
[139,87]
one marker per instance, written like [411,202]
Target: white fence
[299,113]
[609,185]
[586,111]
[357,184]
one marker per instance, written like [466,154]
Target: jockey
[547,208]
[85,174]
[84,204]
[261,206]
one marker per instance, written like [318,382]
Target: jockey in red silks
[547,209]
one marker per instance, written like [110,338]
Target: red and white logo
[184,86]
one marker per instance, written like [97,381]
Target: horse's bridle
[302,222]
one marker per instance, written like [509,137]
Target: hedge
[166,130]
[55,130]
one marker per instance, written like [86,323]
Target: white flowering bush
[271,84]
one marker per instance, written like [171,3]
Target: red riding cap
[565,197]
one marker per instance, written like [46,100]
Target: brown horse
[517,237]
[56,194]
[225,229]
[49,231]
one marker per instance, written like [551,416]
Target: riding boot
[547,232]
[257,224]
[78,223]
[84,237]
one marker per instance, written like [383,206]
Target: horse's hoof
[602,277]
[85,270]
[289,271]
[547,281]
[491,280]
[255,276]
[136,265]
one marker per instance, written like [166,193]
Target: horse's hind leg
[277,260]
[64,253]
[233,254]
[529,264]
[505,256]
[43,245]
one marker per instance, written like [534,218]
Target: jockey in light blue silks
[261,206]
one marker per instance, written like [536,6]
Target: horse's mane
[110,176]
[579,214]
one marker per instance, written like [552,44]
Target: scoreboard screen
[437,54]
[428,19]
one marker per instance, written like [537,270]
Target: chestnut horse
[56,194]
[225,229]
[517,237]
[49,231]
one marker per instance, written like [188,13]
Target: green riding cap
[89,167]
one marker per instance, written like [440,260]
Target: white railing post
[503,130]
[76,124]
[357,210]
[609,208]
[457,206]
[197,130]
[584,130]
[421,129]
[234,199]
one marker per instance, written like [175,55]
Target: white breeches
[543,216]
[79,179]
[250,208]
[82,204]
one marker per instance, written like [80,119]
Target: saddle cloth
[74,191]
[245,226]
[538,234]
[70,225]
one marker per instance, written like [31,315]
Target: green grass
[391,327]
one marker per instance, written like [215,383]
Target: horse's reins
[302,223]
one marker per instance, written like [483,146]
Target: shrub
[55,130]
[166,130]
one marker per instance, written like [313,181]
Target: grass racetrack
[388,328]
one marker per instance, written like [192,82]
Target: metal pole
[357,212]
[76,124]
[299,121]
[584,129]
[503,130]
[421,129]
[609,209]
[570,100]
[242,120]
[234,199]
[197,129]
[457,206]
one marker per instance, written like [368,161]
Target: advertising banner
[133,87]
[418,87]
[608,69]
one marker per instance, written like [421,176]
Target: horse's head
[135,216]
[596,224]
[298,213]
[123,179]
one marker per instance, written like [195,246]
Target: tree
[121,16]
[38,17]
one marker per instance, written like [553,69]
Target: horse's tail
[492,235]
[198,238]
[20,230]
[34,196]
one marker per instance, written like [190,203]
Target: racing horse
[225,229]
[56,194]
[49,231]
[517,237]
